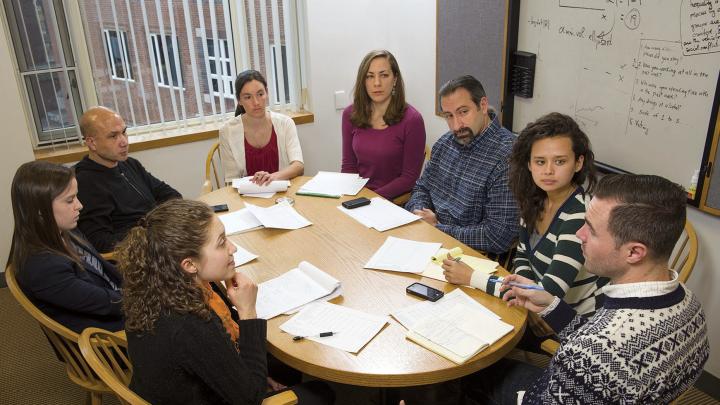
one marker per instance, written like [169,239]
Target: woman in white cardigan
[259,142]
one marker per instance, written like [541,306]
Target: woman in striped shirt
[550,163]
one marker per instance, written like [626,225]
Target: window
[117,51]
[220,68]
[160,65]
[162,68]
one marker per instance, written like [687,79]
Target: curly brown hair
[149,259]
[529,196]
[362,104]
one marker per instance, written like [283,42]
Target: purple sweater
[391,158]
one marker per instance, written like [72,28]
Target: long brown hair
[362,104]
[149,259]
[35,185]
[529,196]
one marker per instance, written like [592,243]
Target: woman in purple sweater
[383,136]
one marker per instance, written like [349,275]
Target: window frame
[157,53]
[124,57]
[227,80]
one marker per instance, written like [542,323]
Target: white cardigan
[232,145]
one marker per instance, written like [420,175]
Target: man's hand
[533,300]
[427,216]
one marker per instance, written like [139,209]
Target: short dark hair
[467,82]
[530,197]
[651,210]
[361,100]
[240,81]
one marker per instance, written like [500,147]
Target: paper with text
[416,313]
[238,221]
[281,216]
[403,255]
[381,214]
[293,289]
[353,329]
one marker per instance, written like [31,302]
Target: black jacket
[74,297]
[114,199]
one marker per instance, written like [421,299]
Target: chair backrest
[107,354]
[63,340]
[214,175]
[685,253]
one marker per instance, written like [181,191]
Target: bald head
[104,132]
[95,121]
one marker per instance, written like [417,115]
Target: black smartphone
[423,291]
[358,202]
[219,207]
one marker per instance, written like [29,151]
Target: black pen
[321,334]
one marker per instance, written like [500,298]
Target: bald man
[115,190]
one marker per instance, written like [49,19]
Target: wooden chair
[214,175]
[64,342]
[682,260]
[401,200]
[106,353]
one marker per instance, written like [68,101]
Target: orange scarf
[218,306]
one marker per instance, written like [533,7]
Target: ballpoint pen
[321,334]
[519,285]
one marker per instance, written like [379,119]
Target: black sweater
[187,360]
[114,199]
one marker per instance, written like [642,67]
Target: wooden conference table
[340,246]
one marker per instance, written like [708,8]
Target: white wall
[339,35]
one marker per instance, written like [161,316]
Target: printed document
[295,288]
[282,216]
[352,329]
[414,314]
[381,214]
[402,255]
[334,184]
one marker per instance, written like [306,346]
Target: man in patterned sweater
[648,342]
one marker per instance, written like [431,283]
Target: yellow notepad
[434,270]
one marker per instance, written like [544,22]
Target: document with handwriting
[293,289]
[352,329]
[407,256]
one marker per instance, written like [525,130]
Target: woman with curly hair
[550,163]
[58,270]
[383,137]
[182,351]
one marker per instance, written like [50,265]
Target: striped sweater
[557,260]
[646,345]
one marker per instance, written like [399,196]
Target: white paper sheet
[354,328]
[245,186]
[281,216]
[295,288]
[259,195]
[332,183]
[242,256]
[381,214]
[403,255]
[414,314]
[238,221]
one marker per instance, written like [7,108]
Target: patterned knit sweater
[556,261]
[646,345]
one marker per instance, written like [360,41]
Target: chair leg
[94,398]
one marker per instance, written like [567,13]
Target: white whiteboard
[639,76]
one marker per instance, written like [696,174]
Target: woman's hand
[533,300]
[456,272]
[242,292]
[262,178]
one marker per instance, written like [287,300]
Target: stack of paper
[380,214]
[455,327]
[281,216]
[292,290]
[247,188]
[434,268]
[402,255]
[352,329]
[332,184]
